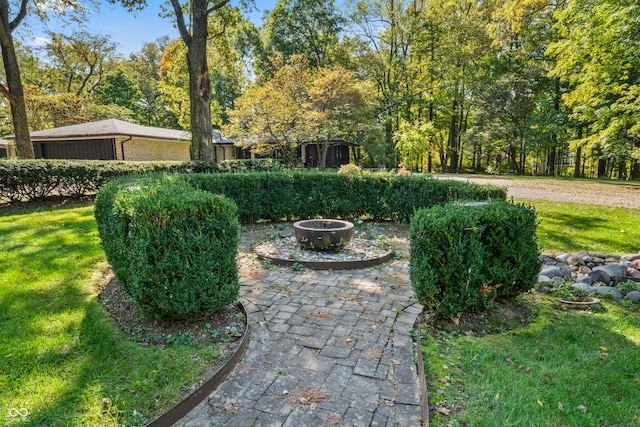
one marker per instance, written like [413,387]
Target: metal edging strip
[330,265]
[424,396]
[187,404]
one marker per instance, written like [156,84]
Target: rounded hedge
[172,247]
[463,256]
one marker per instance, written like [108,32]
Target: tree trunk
[602,168]
[13,91]
[635,164]
[453,140]
[576,172]
[199,85]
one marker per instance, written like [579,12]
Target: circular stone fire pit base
[359,253]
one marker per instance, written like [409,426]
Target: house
[5,149]
[111,139]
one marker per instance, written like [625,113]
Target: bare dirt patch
[506,315]
[224,328]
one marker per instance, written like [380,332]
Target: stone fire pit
[328,235]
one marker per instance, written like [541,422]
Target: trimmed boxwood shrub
[300,194]
[172,247]
[30,179]
[463,256]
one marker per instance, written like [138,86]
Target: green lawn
[61,356]
[569,227]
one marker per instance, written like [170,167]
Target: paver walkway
[326,348]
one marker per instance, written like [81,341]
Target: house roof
[109,127]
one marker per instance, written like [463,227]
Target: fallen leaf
[285,392]
[560,406]
[445,367]
[581,408]
[528,369]
[442,410]
[348,340]
[497,396]
[539,403]
[412,368]
[303,400]
[509,360]
[313,406]
[603,348]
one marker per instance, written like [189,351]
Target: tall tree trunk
[551,160]
[576,172]
[453,140]
[200,85]
[635,164]
[13,90]
[602,168]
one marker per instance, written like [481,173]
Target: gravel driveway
[614,194]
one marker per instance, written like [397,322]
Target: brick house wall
[145,149]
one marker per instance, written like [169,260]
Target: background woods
[523,87]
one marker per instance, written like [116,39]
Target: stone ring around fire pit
[329,235]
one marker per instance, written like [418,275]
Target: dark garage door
[91,149]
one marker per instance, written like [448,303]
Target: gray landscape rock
[636,264]
[584,269]
[575,260]
[586,280]
[599,276]
[590,264]
[596,255]
[630,257]
[608,291]
[562,256]
[552,271]
[633,273]
[616,272]
[634,296]
[544,279]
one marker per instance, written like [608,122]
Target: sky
[130,30]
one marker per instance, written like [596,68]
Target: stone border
[181,409]
[330,265]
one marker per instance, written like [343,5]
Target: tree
[12,88]
[120,90]
[270,117]
[337,105]
[304,27]
[195,34]
[144,67]
[596,54]
[80,61]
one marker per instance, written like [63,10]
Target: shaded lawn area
[570,227]
[61,356]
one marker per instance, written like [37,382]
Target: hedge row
[172,247]
[30,179]
[300,194]
[465,256]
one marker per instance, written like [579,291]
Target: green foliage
[30,179]
[349,169]
[173,248]
[628,286]
[279,195]
[463,256]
